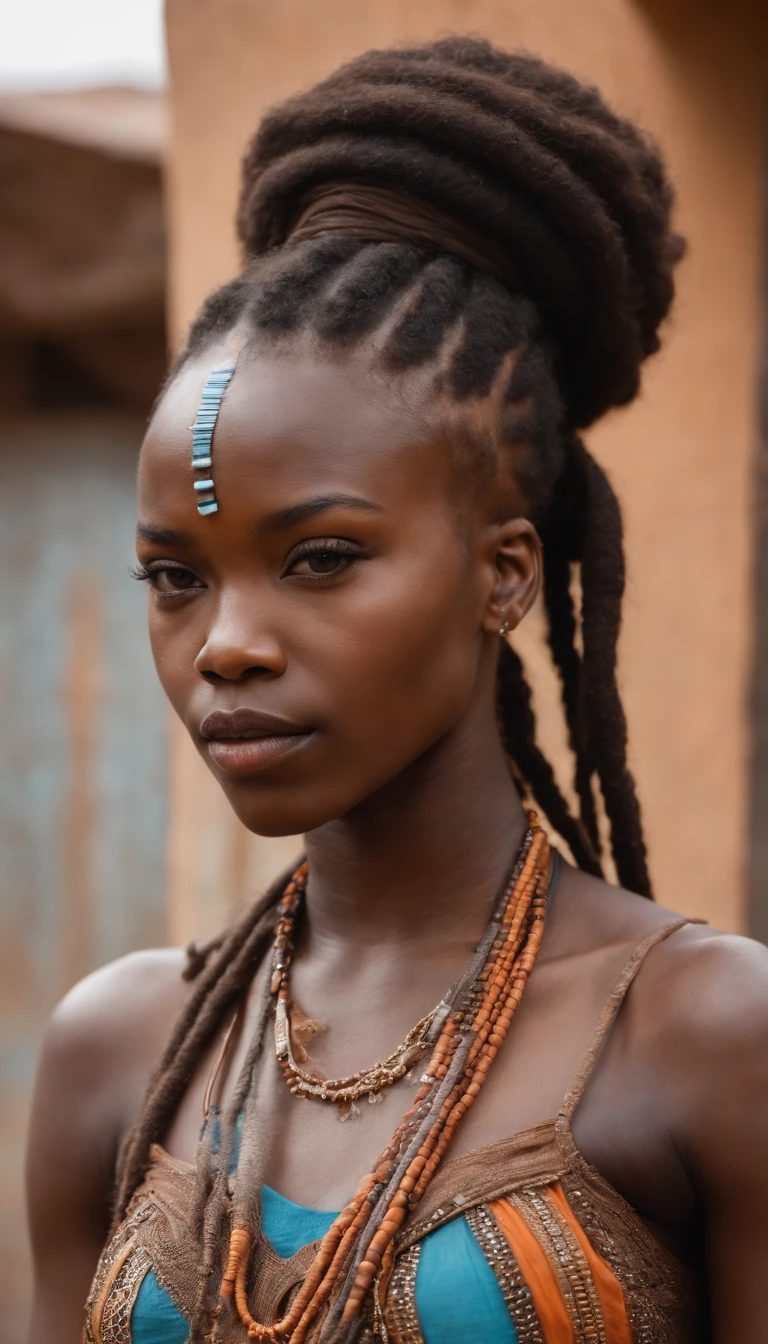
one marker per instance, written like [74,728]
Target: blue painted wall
[83,755]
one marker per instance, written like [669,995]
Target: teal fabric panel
[457,1292]
[290,1226]
[154,1319]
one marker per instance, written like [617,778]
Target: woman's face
[336,618]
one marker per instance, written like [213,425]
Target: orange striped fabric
[537,1272]
[609,1291]
[542,1280]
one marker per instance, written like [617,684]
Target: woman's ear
[515,555]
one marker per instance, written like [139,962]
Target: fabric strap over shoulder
[610,1013]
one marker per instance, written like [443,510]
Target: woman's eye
[168,580]
[323,562]
[174,580]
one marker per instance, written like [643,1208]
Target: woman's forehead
[301,397]
[297,420]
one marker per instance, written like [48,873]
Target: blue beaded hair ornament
[219,379]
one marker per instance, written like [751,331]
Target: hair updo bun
[525,154]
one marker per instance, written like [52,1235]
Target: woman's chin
[275,813]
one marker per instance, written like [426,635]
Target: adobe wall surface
[681,458]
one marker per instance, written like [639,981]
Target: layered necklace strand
[465,1031]
[371,1082]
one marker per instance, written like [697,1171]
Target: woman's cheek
[174,659]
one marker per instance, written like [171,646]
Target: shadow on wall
[83,797]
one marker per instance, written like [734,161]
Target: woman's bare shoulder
[107,1033]
[707,985]
[700,999]
[123,995]
[98,1053]
[589,913]
[711,987]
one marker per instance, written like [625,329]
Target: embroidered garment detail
[519,1242]
[563,1267]
[515,1291]
[113,1293]
[115,1321]
[555,1238]
[400,1315]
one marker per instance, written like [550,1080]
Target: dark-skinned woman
[439,1083]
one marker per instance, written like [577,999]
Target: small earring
[504,627]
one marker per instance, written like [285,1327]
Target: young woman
[456,260]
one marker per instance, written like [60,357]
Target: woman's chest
[515,1242]
[315,1156]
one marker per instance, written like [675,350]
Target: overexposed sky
[71,44]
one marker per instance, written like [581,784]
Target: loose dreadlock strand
[228,973]
[562,535]
[518,732]
[602,574]
[561,633]
[199,954]
[214,1214]
[245,1208]
[211,1263]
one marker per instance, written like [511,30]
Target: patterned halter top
[522,1238]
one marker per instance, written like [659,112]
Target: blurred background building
[84,784]
[112,836]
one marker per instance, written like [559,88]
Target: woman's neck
[426,854]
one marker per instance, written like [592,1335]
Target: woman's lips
[249,756]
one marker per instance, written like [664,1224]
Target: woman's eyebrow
[308,508]
[161,536]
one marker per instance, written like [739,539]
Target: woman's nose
[239,646]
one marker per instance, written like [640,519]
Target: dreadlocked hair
[535,164]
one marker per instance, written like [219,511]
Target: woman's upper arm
[721,1081]
[69,1176]
[96,1056]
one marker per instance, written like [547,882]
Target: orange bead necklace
[357,1253]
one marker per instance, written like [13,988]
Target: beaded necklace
[370,1082]
[357,1253]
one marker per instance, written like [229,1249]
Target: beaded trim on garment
[661,1300]
[515,1291]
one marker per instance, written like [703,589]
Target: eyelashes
[316,561]
[330,557]
[179,579]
